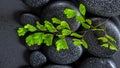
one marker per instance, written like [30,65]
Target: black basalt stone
[105,8]
[35,3]
[116,19]
[56,9]
[98,63]
[57,66]
[37,59]
[91,38]
[27,18]
[64,56]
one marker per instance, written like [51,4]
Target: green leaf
[112,47]
[64,24]
[48,38]
[50,27]
[77,42]
[80,19]
[38,38]
[21,31]
[70,13]
[103,39]
[86,26]
[84,43]
[82,9]
[30,40]
[61,36]
[76,35]
[110,38]
[61,44]
[30,28]
[66,32]
[56,20]
[40,27]
[59,27]
[35,39]
[89,21]
[105,45]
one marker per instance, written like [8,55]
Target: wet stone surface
[98,63]
[107,8]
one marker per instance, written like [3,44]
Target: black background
[12,52]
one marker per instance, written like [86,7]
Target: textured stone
[37,59]
[91,38]
[36,3]
[64,56]
[27,18]
[56,9]
[98,63]
[105,8]
[116,20]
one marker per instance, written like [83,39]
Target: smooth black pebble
[28,18]
[107,8]
[64,56]
[116,19]
[98,63]
[57,66]
[56,9]
[35,3]
[37,59]
[91,38]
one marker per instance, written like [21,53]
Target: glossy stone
[37,59]
[107,8]
[56,9]
[35,3]
[28,18]
[116,20]
[91,38]
[98,63]
[64,56]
